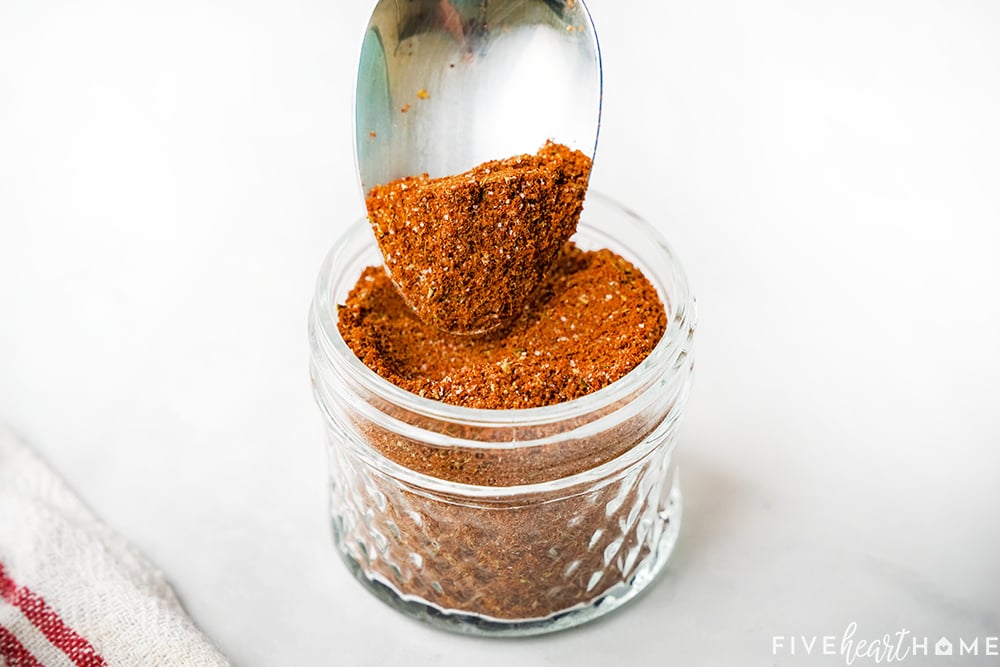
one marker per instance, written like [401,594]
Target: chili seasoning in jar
[529,515]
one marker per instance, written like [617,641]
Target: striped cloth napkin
[72,592]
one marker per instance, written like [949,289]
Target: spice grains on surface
[593,318]
[466,251]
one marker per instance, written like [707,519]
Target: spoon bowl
[445,85]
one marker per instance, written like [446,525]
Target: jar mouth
[635,239]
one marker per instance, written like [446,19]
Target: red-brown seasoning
[467,251]
[473,252]
[591,321]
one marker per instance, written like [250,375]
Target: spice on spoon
[467,251]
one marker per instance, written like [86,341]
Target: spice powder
[467,251]
[587,320]
[591,321]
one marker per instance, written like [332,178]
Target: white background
[172,173]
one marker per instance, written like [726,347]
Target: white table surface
[172,173]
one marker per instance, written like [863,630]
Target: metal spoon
[444,85]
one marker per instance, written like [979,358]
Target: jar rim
[680,310]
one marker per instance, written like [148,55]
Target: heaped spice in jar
[467,251]
[592,320]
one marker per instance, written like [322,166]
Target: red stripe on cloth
[14,652]
[43,617]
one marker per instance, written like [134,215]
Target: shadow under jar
[506,522]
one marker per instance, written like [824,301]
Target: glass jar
[577,505]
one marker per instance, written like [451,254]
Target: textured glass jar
[582,507]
